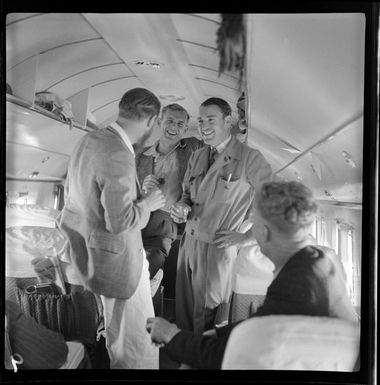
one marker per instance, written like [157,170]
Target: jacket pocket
[105,242]
[226,190]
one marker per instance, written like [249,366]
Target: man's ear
[152,121]
[228,121]
[266,233]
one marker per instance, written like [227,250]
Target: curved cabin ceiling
[305,84]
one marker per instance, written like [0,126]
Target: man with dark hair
[306,281]
[218,190]
[240,130]
[163,166]
[102,219]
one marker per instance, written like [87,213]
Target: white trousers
[128,343]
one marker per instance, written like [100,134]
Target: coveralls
[220,198]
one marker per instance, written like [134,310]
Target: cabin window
[336,239]
[320,231]
[58,196]
[314,229]
[351,263]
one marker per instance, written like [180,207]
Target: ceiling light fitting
[148,64]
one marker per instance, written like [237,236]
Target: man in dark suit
[102,219]
[306,281]
[163,166]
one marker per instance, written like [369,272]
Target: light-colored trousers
[204,275]
[128,343]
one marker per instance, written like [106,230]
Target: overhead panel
[32,163]
[277,150]
[58,64]
[200,44]
[16,17]
[215,17]
[90,77]
[31,36]
[213,75]
[149,38]
[341,157]
[204,33]
[334,168]
[306,73]
[33,129]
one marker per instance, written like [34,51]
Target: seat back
[293,343]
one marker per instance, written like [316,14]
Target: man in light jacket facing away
[218,192]
[102,219]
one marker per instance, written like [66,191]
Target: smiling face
[173,124]
[213,127]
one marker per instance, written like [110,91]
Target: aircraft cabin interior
[304,77]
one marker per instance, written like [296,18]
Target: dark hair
[175,107]
[139,103]
[222,104]
[288,206]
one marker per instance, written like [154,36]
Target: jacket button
[141,251]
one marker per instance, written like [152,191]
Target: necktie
[212,156]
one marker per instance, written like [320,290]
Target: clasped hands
[161,331]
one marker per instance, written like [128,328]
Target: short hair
[222,104]
[288,206]
[175,107]
[138,104]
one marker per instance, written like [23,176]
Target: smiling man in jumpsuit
[218,193]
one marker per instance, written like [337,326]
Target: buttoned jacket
[221,196]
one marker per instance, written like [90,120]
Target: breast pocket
[225,189]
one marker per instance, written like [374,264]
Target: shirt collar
[123,136]
[152,150]
[221,146]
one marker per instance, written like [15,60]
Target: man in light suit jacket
[102,219]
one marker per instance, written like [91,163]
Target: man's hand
[155,200]
[151,182]
[179,212]
[161,331]
[225,238]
